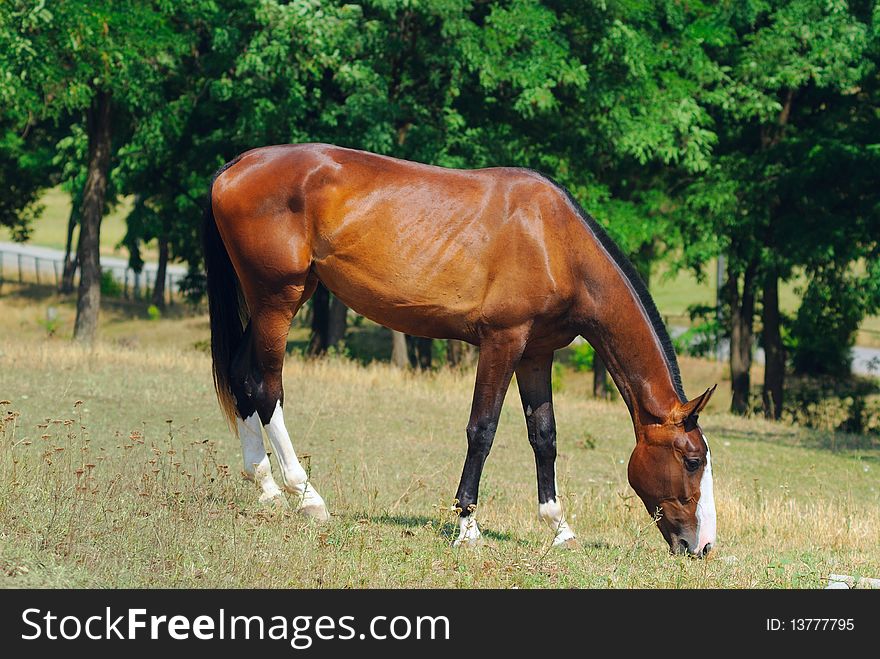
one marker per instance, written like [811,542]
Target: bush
[701,339]
[194,286]
[824,330]
[832,403]
[153,312]
[109,286]
[582,357]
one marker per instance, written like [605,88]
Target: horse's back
[423,249]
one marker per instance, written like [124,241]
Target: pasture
[117,470]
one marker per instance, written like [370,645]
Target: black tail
[226,308]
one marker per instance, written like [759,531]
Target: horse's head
[671,471]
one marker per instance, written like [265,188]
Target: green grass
[164,504]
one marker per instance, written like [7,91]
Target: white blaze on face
[551,513]
[706,506]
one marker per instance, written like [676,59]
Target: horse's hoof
[277,500]
[469,542]
[570,544]
[315,512]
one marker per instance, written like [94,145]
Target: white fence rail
[26,264]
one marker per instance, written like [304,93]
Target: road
[866,361]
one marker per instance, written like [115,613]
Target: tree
[101,60]
[789,68]
[26,169]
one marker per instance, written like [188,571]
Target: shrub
[824,329]
[109,286]
[701,339]
[582,357]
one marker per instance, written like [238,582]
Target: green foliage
[109,285]
[51,322]
[703,336]
[557,377]
[689,130]
[25,171]
[153,312]
[826,402]
[582,357]
[823,332]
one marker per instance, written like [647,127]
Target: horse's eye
[692,464]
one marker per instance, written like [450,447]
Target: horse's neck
[616,323]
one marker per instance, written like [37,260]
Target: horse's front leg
[498,357]
[533,378]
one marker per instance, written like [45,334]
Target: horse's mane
[638,285]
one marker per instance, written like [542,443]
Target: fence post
[55,269]
[137,285]
[37,269]
[19,269]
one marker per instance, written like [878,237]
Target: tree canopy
[692,131]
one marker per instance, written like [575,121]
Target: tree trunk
[399,357]
[336,323]
[742,311]
[600,377]
[460,353]
[70,258]
[159,287]
[320,320]
[100,141]
[421,352]
[774,352]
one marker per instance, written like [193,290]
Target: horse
[502,258]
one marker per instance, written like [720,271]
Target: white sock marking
[253,454]
[294,477]
[469,532]
[551,513]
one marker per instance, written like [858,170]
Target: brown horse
[501,258]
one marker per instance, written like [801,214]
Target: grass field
[117,470]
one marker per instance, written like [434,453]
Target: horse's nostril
[706,549]
[683,547]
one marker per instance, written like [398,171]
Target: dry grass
[138,485]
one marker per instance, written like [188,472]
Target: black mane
[638,285]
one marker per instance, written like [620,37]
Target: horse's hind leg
[258,388]
[256,462]
[533,380]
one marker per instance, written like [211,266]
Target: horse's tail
[226,307]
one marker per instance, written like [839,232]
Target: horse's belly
[415,297]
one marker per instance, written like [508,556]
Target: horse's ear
[692,407]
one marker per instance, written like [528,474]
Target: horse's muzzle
[679,546]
